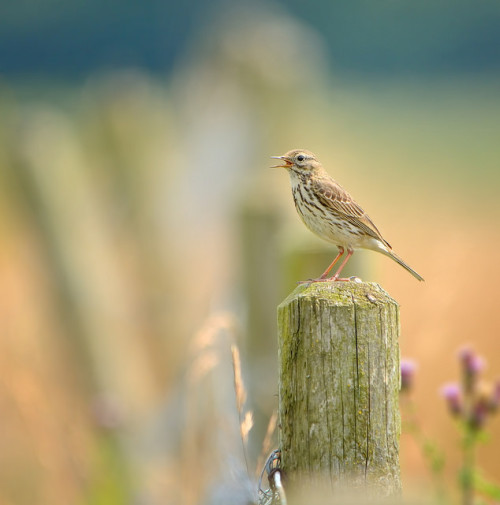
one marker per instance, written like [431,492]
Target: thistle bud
[453,396]
[472,365]
[479,412]
[408,368]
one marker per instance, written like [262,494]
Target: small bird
[330,212]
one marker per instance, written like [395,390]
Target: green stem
[468,469]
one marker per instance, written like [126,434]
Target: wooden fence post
[338,386]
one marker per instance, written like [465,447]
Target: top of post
[341,293]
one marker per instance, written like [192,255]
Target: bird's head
[299,161]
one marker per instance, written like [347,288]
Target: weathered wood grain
[339,385]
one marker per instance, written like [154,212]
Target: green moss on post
[339,385]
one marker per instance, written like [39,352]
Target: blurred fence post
[259,224]
[338,387]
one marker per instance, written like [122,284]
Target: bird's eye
[301,157]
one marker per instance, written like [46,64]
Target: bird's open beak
[286,163]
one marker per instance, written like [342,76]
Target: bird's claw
[307,282]
[353,278]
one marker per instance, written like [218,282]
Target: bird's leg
[324,275]
[336,277]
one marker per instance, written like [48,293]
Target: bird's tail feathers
[397,259]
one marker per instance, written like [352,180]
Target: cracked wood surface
[339,385]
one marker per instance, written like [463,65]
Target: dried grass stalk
[239,387]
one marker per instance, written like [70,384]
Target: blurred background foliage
[72,39]
[141,232]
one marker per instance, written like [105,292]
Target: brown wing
[332,195]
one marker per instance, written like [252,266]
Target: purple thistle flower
[473,400]
[471,362]
[465,353]
[472,365]
[453,395]
[477,364]
[408,368]
[479,413]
